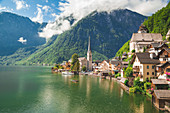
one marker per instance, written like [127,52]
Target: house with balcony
[144,65]
[164,55]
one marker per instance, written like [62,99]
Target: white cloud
[81,8]
[2,8]
[20,4]
[47,1]
[21,39]
[38,5]
[39,16]
[46,8]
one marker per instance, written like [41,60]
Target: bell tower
[89,57]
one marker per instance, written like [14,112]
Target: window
[147,73]
[153,73]
[147,67]
[153,67]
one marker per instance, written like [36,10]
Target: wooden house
[160,97]
[159,84]
[163,68]
[164,55]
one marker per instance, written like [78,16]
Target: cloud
[46,8]
[20,4]
[21,39]
[2,8]
[81,8]
[46,1]
[39,16]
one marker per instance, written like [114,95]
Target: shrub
[117,75]
[126,82]
[132,90]
[133,51]
[147,85]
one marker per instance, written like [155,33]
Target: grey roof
[115,62]
[163,64]
[98,61]
[162,94]
[144,58]
[159,81]
[146,37]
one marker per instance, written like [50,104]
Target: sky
[54,11]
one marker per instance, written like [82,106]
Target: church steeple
[89,49]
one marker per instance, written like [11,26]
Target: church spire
[89,49]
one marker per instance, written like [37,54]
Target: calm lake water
[37,90]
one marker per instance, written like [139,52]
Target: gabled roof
[115,62]
[164,49]
[107,61]
[163,64]
[145,37]
[97,61]
[162,94]
[144,58]
[159,81]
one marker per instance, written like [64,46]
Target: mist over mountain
[18,32]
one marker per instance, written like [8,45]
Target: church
[87,62]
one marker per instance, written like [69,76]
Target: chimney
[151,55]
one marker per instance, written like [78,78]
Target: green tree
[75,62]
[137,82]
[84,68]
[129,72]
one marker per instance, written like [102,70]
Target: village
[144,69]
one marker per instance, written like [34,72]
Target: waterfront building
[115,66]
[104,65]
[161,99]
[159,84]
[144,65]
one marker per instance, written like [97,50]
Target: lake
[37,90]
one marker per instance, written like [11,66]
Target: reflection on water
[36,89]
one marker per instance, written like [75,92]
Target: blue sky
[28,8]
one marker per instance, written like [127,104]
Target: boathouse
[159,84]
[160,98]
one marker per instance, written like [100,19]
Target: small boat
[75,81]
[67,73]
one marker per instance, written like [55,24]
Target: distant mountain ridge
[108,32]
[12,27]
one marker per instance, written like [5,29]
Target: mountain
[12,28]
[108,32]
[157,23]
